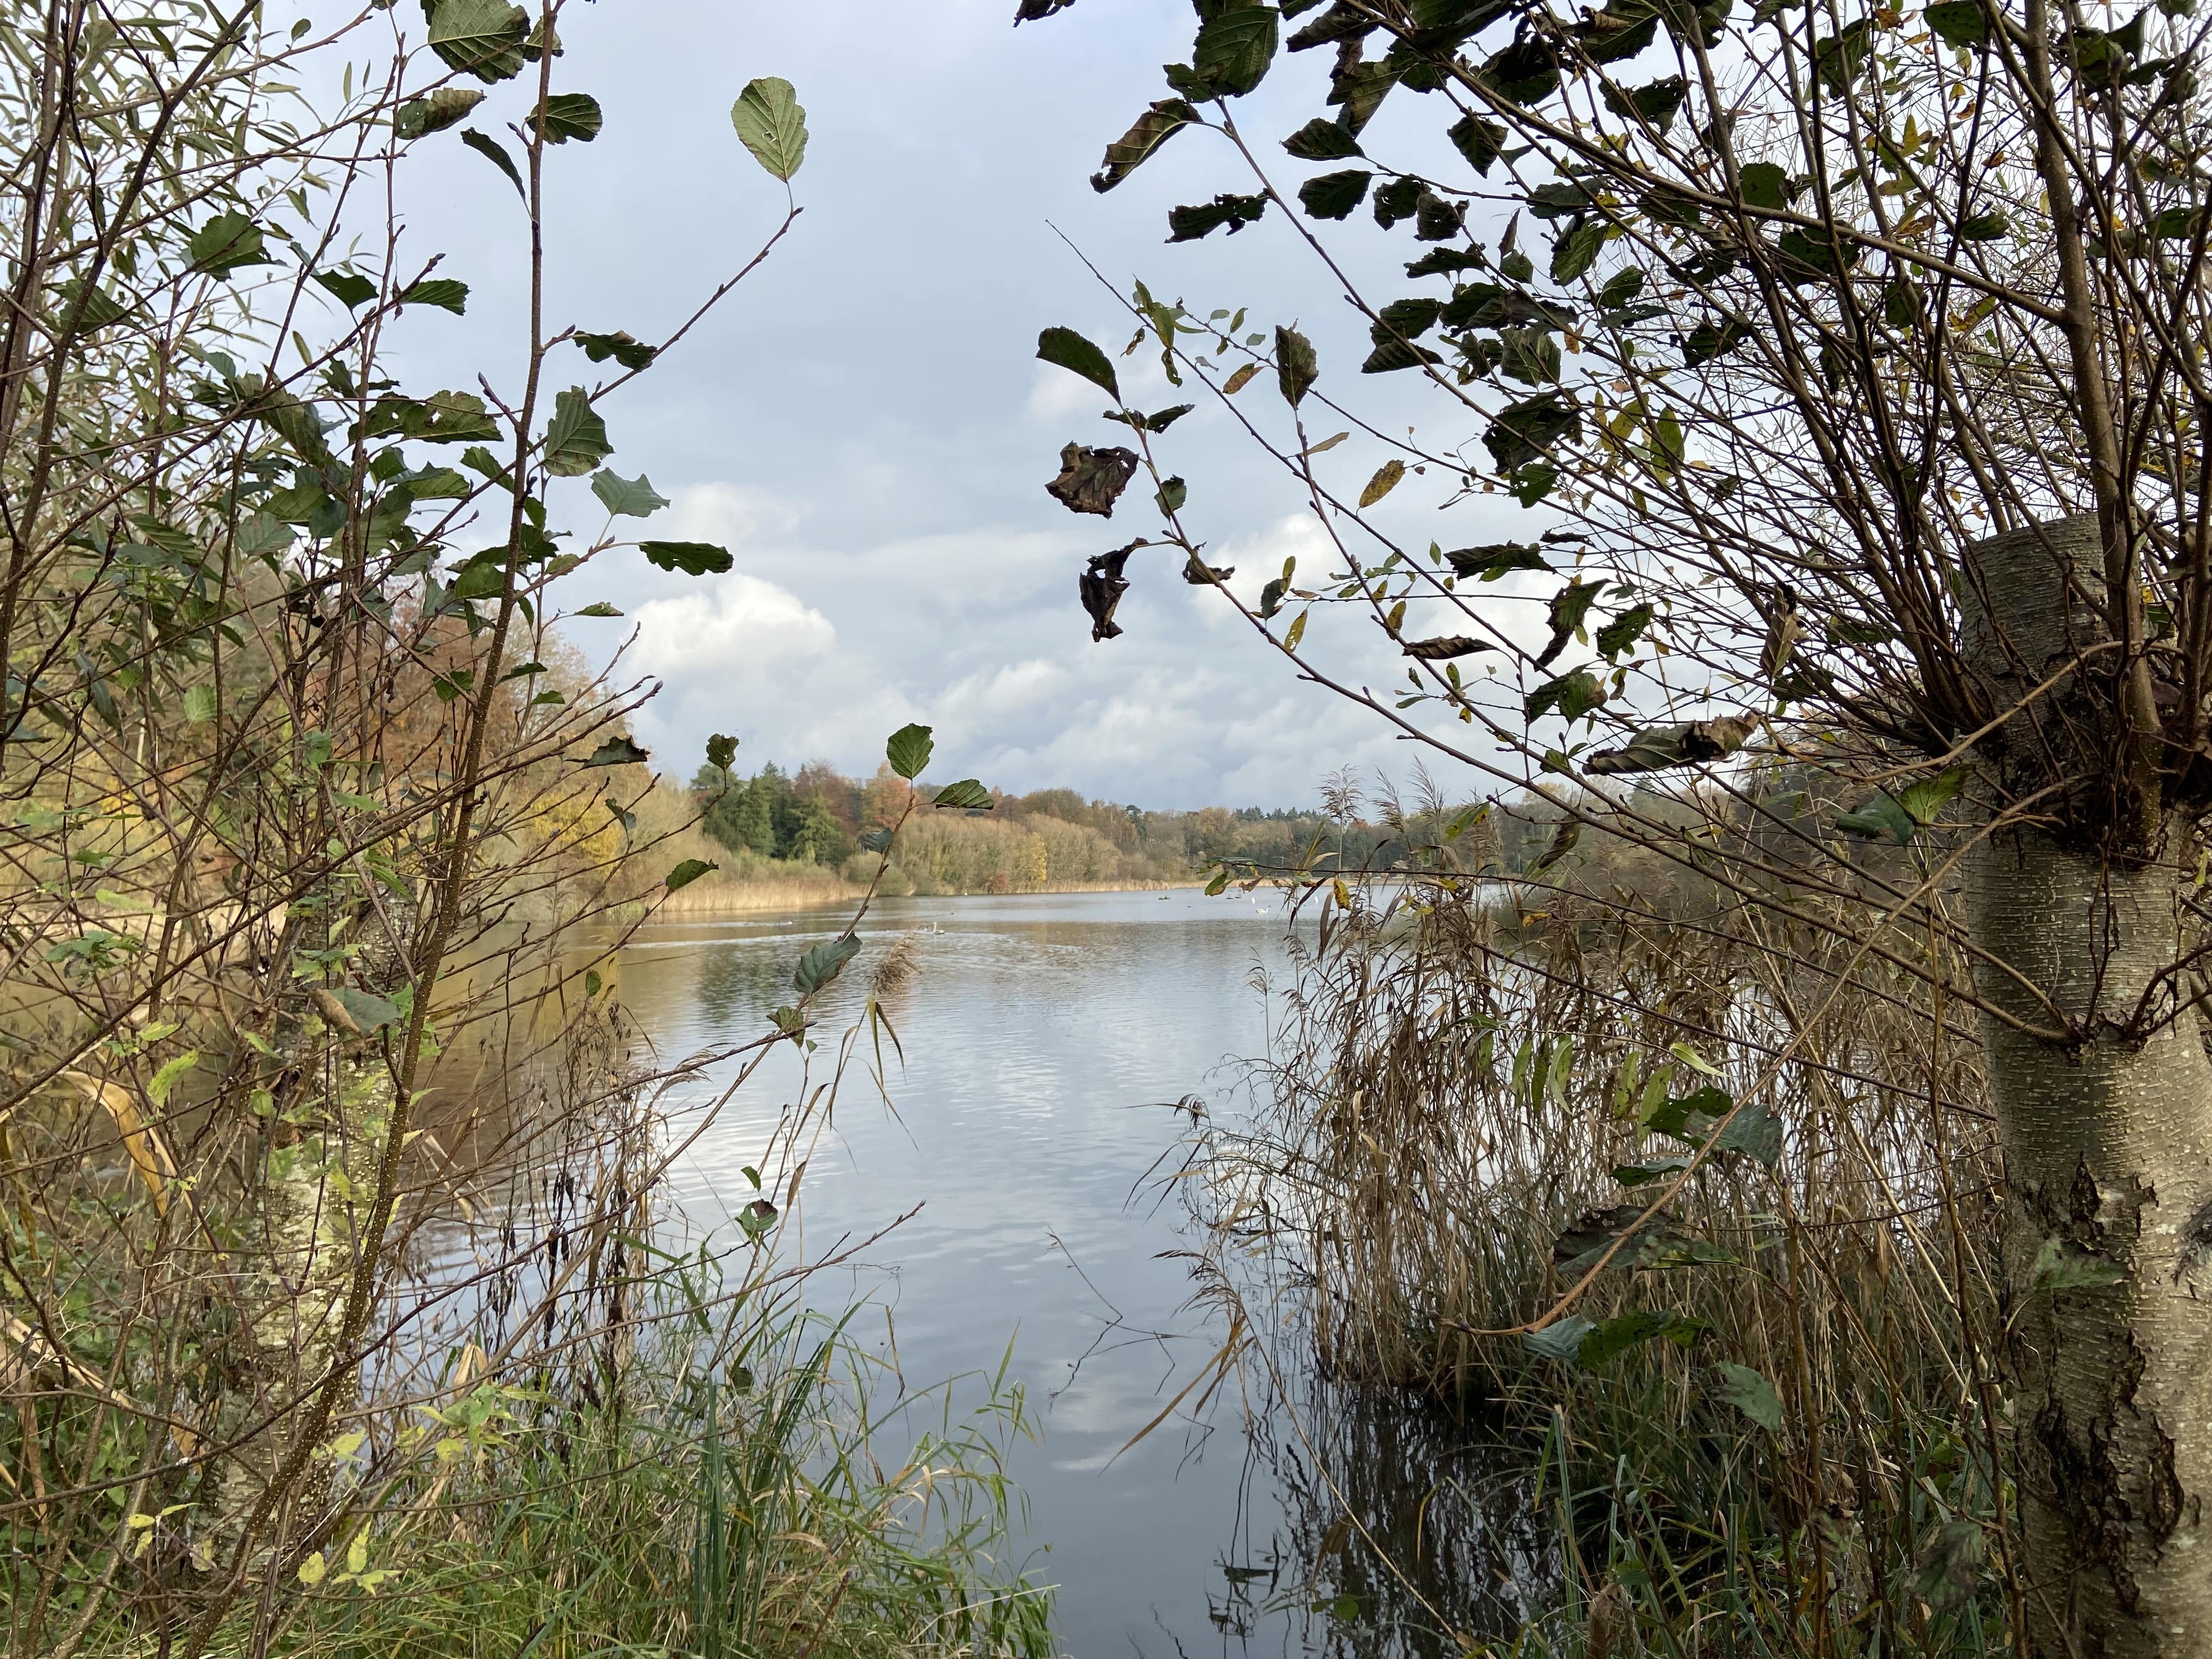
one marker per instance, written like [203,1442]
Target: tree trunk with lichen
[2103,1096]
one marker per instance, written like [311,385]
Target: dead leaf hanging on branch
[1092,480]
[1102,588]
[1658,747]
[1445,646]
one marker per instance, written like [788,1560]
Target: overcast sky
[863,422]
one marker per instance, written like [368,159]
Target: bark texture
[2108,1143]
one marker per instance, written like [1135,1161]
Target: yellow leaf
[1328,444]
[1690,1058]
[1298,632]
[357,1553]
[313,1568]
[148,1155]
[1236,382]
[1343,894]
[1384,481]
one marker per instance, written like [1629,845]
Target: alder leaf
[771,125]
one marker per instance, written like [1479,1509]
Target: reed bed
[1770,1424]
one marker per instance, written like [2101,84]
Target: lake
[1046,1038]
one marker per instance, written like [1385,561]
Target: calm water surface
[1045,1040]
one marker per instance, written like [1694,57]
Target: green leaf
[2063,1265]
[628,352]
[618,750]
[631,498]
[98,310]
[1880,817]
[771,125]
[1394,355]
[967,792]
[443,417]
[199,703]
[369,1013]
[721,751]
[1322,140]
[1755,1132]
[1495,559]
[1656,103]
[823,963]
[688,872]
[1561,1339]
[1922,801]
[1710,340]
[1296,366]
[1525,432]
[576,440]
[1577,252]
[1480,141]
[168,1077]
[1622,633]
[570,115]
[692,558]
[908,750]
[482,37]
[227,242]
[495,152]
[1617,1335]
[1750,1394]
[1651,1169]
[1067,349]
[1333,195]
[352,291]
[1234,48]
[877,841]
[443,292]
[1959,23]
[1840,59]
[1570,695]
[592,981]
[1764,185]
[598,608]
[1170,496]
[447,106]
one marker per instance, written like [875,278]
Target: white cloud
[739,626]
[733,515]
[1056,395]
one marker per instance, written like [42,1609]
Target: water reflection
[1045,1040]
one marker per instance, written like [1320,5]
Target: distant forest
[815,815]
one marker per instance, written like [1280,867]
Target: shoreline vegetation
[311,1342]
[780,840]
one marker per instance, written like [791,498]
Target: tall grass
[583,1431]
[1769,1424]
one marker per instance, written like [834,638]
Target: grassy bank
[583,1432]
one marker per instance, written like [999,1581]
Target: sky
[862,423]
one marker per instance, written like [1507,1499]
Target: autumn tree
[1848,364]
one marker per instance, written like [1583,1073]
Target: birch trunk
[2107,1137]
